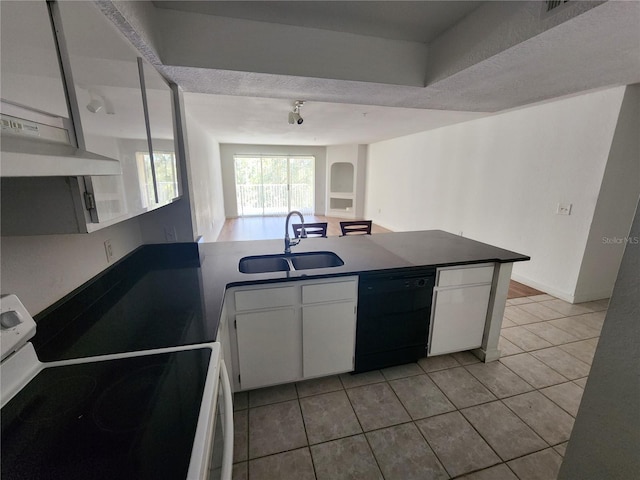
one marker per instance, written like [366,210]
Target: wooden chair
[312,229]
[355,227]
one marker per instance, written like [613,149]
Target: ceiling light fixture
[294,116]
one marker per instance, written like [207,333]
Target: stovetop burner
[57,398]
[114,411]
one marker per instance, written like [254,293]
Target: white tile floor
[443,417]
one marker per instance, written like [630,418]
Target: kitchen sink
[264,263]
[305,261]
[286,262]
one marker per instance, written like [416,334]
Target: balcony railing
[274,199]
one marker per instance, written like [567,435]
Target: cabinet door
[459,317]
[106,99]
[269,347]
[30,73]
[328,340]
[161,168]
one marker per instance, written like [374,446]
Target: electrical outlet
[170,234]
[108,249]
[564,209]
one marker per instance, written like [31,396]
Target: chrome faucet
[288,243]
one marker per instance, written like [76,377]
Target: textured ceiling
[264,121]
[482,57]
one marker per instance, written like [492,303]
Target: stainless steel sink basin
[305,261]
[264,263]
[284,263]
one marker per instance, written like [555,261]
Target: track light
[294,116]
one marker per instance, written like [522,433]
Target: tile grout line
[529,353]
[306,434]
[523,393]
[456,410]
[364,434]
[556,403]
[507,396]
[531,427]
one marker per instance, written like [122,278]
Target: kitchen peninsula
[179,294]
[462,266]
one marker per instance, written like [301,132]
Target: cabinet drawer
[265,298]
[465,276]
[330,292]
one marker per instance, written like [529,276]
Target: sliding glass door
[274,185]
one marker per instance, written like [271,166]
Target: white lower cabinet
[459,311]
[298,330]
[269,347]
[329,338]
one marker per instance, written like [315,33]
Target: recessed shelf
[345,204]
[342,177]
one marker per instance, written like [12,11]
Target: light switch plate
[170,234]
[564,209]
[108,249]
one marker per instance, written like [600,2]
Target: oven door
[212,454]
[222,447]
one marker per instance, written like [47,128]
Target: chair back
[312,229]
[355,227]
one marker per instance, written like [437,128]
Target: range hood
[37,145]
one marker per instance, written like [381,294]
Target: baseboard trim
[545,288]
[571,298]
[590,297]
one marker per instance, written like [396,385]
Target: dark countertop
[152,298]
[171,294]
[360,253]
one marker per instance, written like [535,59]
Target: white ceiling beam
[207,41]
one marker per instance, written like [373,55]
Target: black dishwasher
[394,310]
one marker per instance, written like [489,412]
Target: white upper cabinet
[30,74]
[109,116]
[160,178]
[103,69]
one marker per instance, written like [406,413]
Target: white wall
[606,434]
[205,178]
[499,179]
[42,269]
[228,150]
[616,203]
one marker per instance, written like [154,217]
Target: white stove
[163,413]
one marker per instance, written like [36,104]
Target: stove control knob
[10,319]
